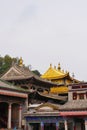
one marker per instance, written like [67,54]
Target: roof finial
[50,65]
[73,77]
[59,68]
[20,62]
[55,67]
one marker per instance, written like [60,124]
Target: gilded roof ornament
[50,65]
[59,68]
[20,62]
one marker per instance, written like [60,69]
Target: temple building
[12,105]
[58,76]
[40,90]
[70,116]
[36,89]
[37,103]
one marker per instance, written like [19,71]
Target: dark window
[24,87]
[81,96]
[74,96]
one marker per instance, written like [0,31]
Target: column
[85,97]
[20,116]
[85,123]
[26,103]
[42,126]
[29,127]
[25,125]
[9,116]
[57,125]
[77,96]
[65,124]
[74,126]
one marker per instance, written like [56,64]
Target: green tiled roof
[7,85]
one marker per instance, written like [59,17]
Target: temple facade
[70,116]
[75,108]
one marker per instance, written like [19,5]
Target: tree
[36,72]
[6,62]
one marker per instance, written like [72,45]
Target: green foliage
[36,72]
[6,62]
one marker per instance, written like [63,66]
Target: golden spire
[50,65]
[59,68]
[20,62]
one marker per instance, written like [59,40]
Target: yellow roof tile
[53,73]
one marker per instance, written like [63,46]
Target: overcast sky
[44,32]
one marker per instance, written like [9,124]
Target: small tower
[20,62]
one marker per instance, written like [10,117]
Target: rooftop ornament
[20,62]
[50,65]
[59,68]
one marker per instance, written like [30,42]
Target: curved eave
[55,107]
[75,80]
[55,77]
[13,94]
[53,97]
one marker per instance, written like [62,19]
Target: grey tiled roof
[7,85]
[53,96]
[22,73]
[74,105]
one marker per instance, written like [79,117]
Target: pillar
[9,116]
[26,103]
[57,125]
[20,116]
[85,123]
[74,126]
[29,127]
[85,97]
[65,124]
[42,126]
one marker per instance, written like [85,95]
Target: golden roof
[53,73]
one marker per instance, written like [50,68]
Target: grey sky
[44,32]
